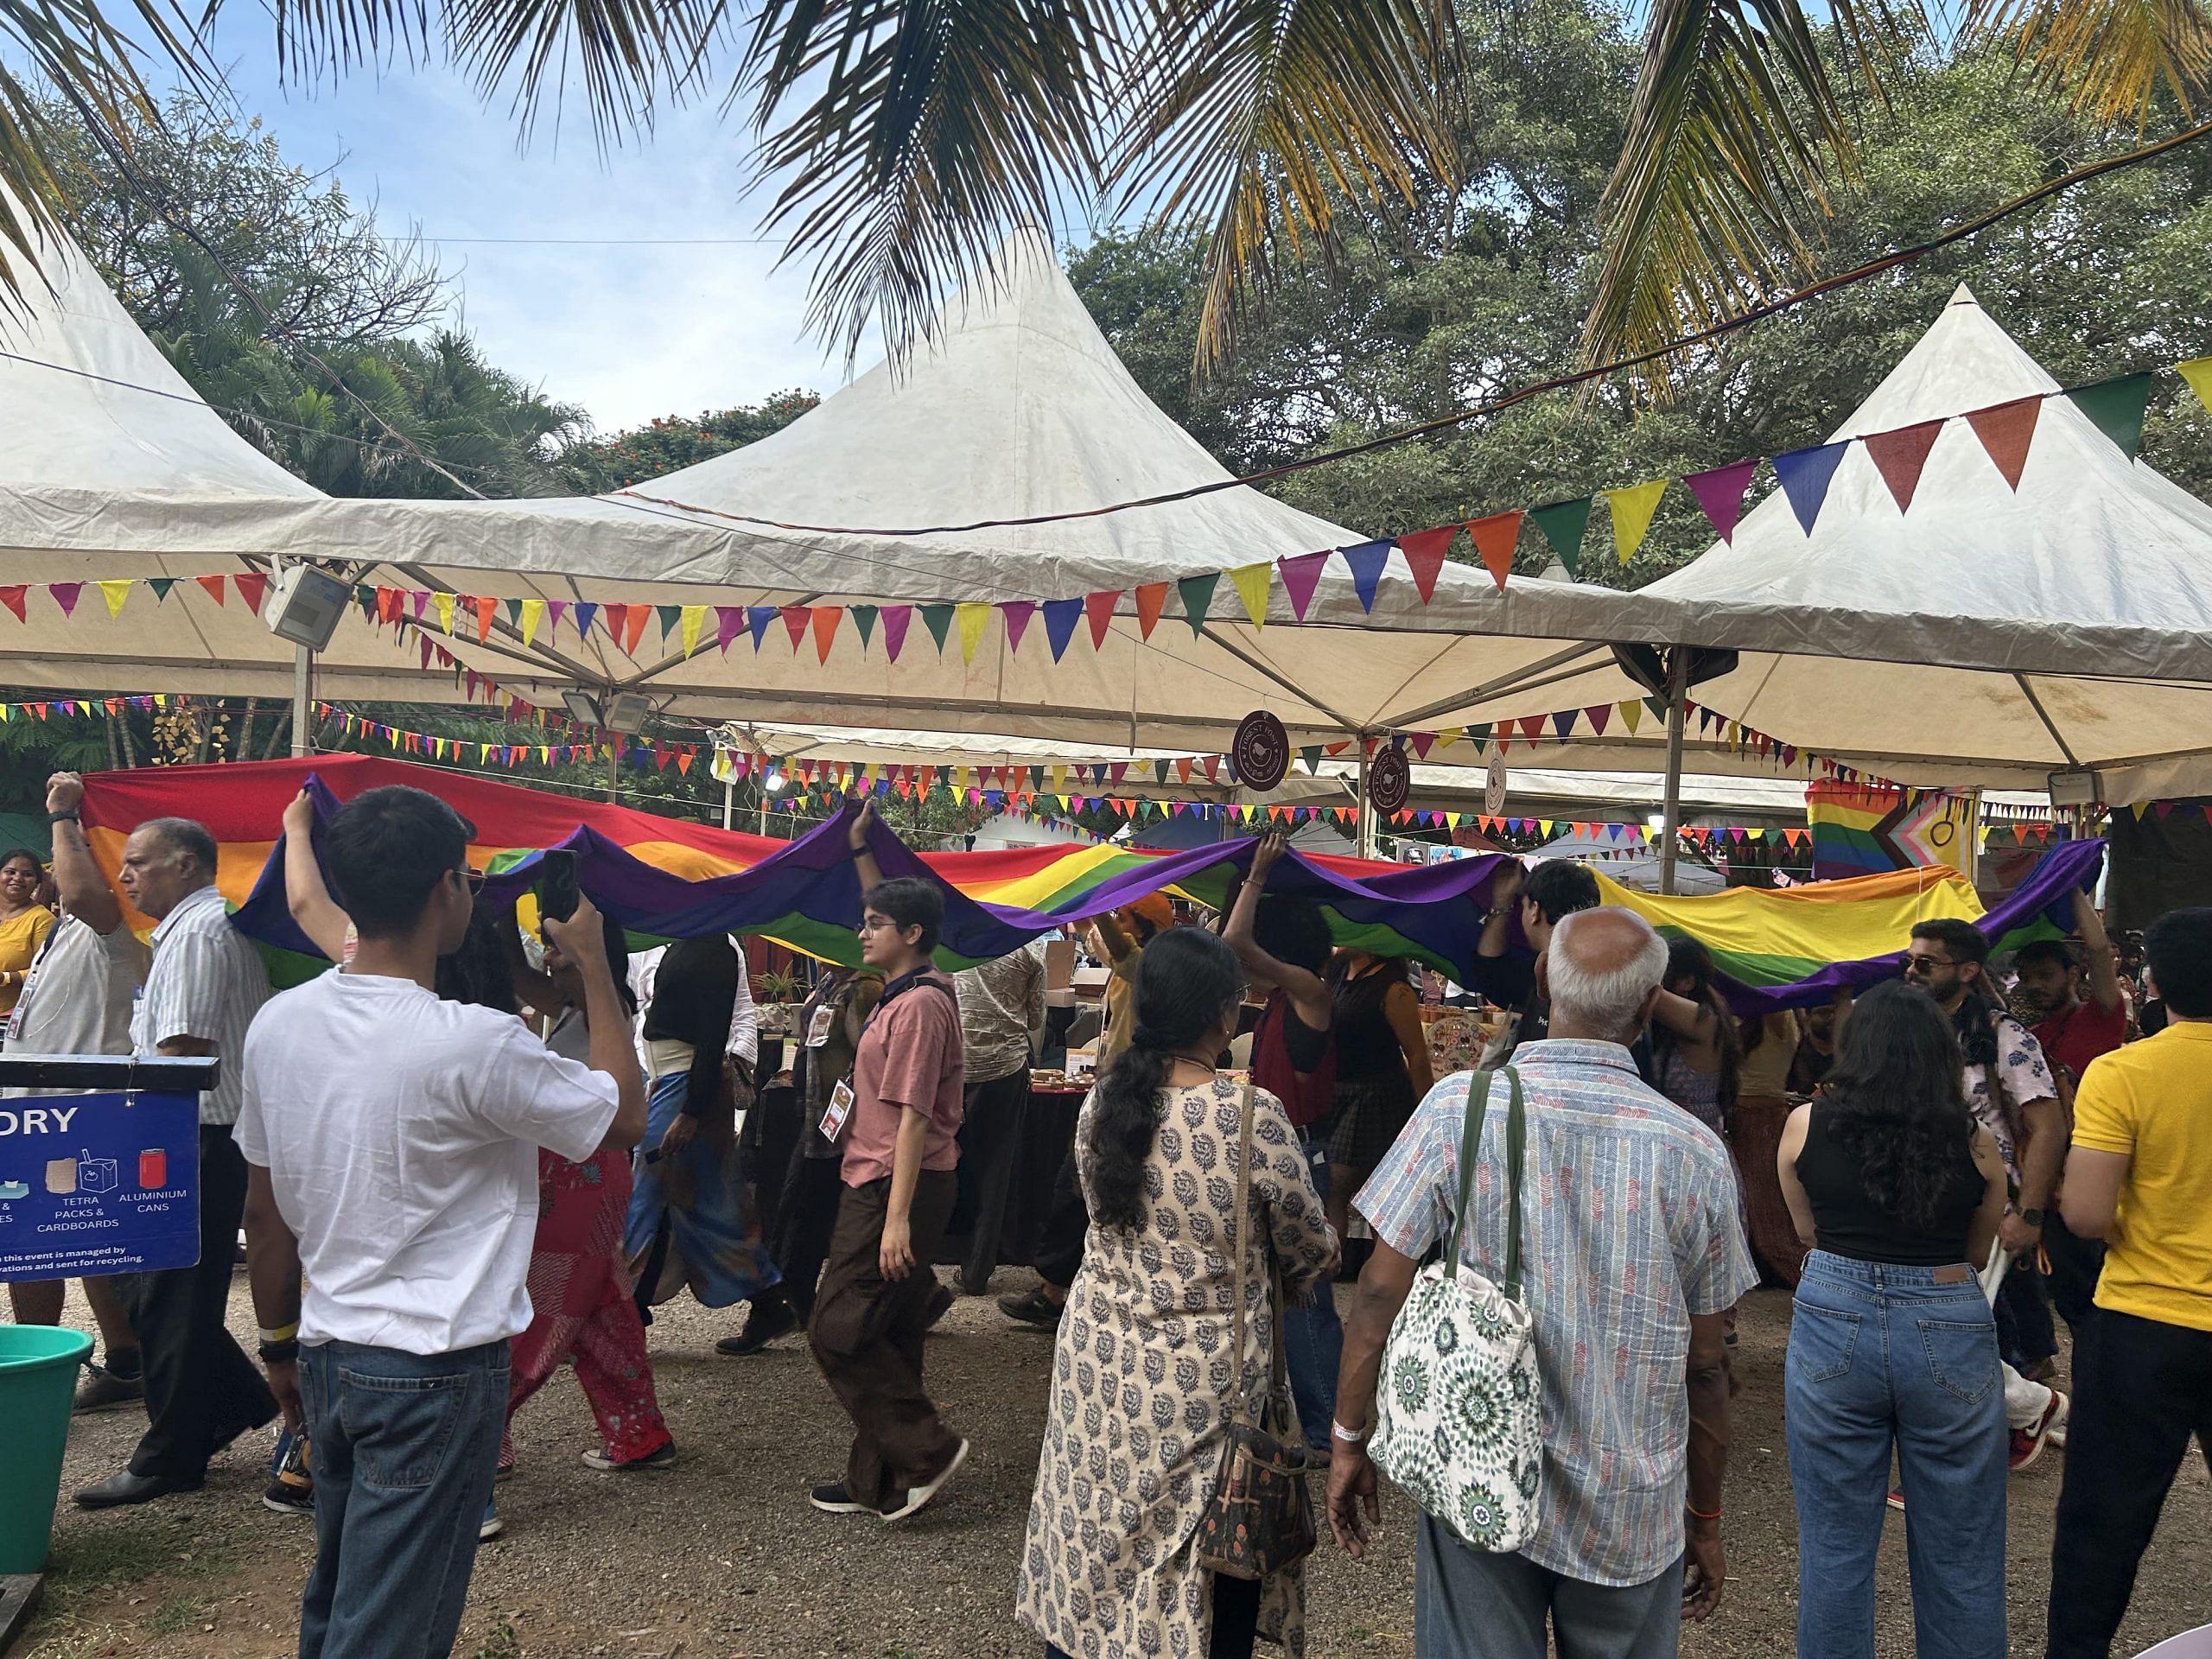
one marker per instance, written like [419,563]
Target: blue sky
[628,332]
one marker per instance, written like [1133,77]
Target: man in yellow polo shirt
[2139,1178]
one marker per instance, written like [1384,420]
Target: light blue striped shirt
[206,981]
[1631,1223]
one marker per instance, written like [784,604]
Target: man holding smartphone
[897,1123]
[392,1142]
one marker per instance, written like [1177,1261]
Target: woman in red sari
[579,1285]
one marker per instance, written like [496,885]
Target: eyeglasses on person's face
[1919,962]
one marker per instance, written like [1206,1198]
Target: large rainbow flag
[665,878]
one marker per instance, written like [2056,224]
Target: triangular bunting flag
[757,619]
[486,610]
[694,624]
[533,612]
[1494,538]
[864,624]
[1017,613]
[938,619]
[1366,560]
[2006,430]
[252,586]
[798,619]
[64,594]
[1899,457]
[1720,495]
[1060,618]
[826,618]
[114,593]
[895,620]
[671,617]
[1563,523]
[973,614]
[1197,599]
[586,613]
[2116,408]
[213,585]
[1253,583]
[1301,574]
[1633,509]
[2198,373]
[1151,599]
[1426,551]
[636,630]
[160,585]
[1806,475]
[1098,610]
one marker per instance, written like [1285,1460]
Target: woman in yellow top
[24,922]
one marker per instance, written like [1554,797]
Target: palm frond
[1735,135]
[94,61]
[941,127]
[2112,57]
[1257,116]
[628,54]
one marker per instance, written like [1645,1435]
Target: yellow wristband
[282,1333]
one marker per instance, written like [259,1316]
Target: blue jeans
[1314,1337]
[1883,1357]
[404,1448]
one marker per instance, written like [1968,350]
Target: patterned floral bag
[1260,1519]
[1459,1411]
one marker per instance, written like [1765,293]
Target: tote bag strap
[1243,1412]
[1471,1141]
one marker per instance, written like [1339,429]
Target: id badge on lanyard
[817,1027]
[837,1113]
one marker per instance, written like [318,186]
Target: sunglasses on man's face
[1924,964]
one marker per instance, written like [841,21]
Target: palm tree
[914,136]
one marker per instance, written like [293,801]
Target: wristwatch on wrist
[280,1353]
[2033,1217]
[70,816]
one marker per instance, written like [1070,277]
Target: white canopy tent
[1022,410]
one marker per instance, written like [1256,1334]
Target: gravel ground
[722,1558]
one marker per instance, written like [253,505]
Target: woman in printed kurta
[1144,1384]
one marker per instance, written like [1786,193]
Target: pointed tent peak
[1016,406]
[86,401]
[1965,361]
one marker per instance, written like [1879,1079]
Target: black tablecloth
[1042,1139]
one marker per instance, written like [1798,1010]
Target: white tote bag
[1459,1419]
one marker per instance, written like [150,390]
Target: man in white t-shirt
[77,1000]
[392,1139]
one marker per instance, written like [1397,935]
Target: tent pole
[303,684]
[1678,687]
[1366,838]
[615,769]
[730,798]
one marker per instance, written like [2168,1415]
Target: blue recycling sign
[94,1184]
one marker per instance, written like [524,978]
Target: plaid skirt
[1370,1114]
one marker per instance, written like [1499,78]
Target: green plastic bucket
[38,1383]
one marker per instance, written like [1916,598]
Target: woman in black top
[1893,1346]
[1382,1070]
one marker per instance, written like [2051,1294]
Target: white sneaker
[919,1497]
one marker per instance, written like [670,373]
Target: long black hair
[478,972]
[1687,957]
[1895,1101]
[1185,977]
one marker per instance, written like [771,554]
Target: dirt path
[722,1558]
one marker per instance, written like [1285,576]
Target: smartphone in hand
[556,885]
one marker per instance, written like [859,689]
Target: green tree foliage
[1474,293]
[595,466]
[338,367]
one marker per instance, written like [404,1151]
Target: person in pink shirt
[898,1124]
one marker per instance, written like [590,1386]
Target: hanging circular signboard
[1261,753]
[1494,785]
[1390,779]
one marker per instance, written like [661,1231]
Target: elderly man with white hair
[1632,1248]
